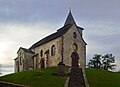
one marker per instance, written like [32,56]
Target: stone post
[61,66]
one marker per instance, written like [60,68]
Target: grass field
[44,78]
[36,78]
[102,78]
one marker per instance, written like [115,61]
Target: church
[53,49]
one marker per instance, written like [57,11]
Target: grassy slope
[102,78]
[33,79]
[96,78]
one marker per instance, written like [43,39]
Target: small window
[75,47]
[41,53]
[74,35]
[53,50]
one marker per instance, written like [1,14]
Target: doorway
[75,59]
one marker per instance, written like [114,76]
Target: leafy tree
[91,64]
[95,62]
[106,62]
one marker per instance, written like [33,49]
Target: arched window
[20,58]
[53,50]
[74,35]
[75,47]
[41,53]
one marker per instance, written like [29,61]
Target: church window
[20,61]
[53,50]
[41,53]
[74,35]
[75,47]
[20,58]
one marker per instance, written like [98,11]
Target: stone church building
[51,50]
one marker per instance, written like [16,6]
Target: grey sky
[23,22]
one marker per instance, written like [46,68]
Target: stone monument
[61,66]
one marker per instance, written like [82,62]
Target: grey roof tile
[55,35]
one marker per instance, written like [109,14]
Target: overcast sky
[23,22]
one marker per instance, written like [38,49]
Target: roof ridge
[52,36]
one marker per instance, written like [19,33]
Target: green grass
[102,78]
[36,78]
[44,78]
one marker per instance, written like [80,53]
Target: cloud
[13,36]
[29,10]
[37,10]
[7,66]
[6,69]
[102,38]
[24,22]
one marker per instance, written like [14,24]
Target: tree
[106,62]
[91,64]
[95,62]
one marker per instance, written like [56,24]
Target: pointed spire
[70,19]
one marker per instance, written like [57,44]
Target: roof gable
[68,23]
[55,35]
[25,50]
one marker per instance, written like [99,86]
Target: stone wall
[69,40]
[25,62]
[28,60]
[53,60]
[20,54]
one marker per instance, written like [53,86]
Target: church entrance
[42,63]
[76,78]
[75,59]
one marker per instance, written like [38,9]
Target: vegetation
[37,78]
[105,62]
[44,78]
[102,78]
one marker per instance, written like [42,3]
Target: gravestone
[61,66]
[76,78]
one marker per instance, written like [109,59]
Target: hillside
[44,78]
[36,78]
[102,78]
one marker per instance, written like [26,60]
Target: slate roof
[26,50]
[55,35]
[16,58]
[68,23]
[70,19]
